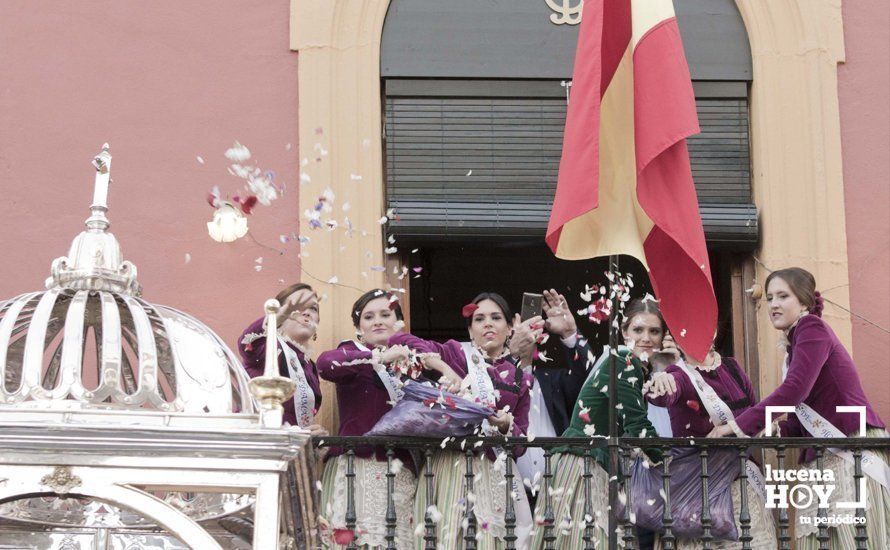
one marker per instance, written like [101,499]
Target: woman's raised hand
[560,320]
[524,337]
[669,346]
[296,303]
[394,354]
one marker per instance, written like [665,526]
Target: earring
[358,336]
[315,337]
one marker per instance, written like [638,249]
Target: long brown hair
[802,284]
[366,298]
[497,299]
[642,305]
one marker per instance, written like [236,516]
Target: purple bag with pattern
[430,412]
[686,494]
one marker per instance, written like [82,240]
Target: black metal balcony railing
[619,451]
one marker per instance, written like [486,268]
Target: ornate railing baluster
[510,512]
[469,497]
[429,536]
[667,518]
[350,517]
[588,502]
[391,518]
[822,533]
[744,513]
[628,520]
[861,536]
[705,501]
[784,536]
[549,535]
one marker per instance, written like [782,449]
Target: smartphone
[532,305]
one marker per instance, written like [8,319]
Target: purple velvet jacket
[512,384]
[689,418]
[252,347]
[821,374]
[361,398]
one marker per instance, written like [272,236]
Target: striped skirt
[370,504]
[877,512]
[488,498]
[567,504]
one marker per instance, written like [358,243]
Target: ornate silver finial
[102,163]
[271,389]
[94,261]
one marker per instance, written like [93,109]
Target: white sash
[392,383]
[477,371]
[818,426]
[721,414]
[304,397]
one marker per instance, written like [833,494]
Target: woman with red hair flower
[494,381]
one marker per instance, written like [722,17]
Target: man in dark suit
[556,389]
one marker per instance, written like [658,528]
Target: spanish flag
[625,183]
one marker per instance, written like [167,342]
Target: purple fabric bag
[686,493]
[427,411]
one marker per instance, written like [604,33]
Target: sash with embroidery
[477,370]
[819,426]
[721,414]
[391,382]
[304,397]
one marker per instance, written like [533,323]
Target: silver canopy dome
[90,342]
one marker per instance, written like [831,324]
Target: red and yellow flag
[625,183]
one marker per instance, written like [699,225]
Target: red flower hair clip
[468,310]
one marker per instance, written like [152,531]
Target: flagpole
[613,401]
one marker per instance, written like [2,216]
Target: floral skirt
[489,500]
[567,503]
[370,504]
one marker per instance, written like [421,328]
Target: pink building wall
[864,92]
[163,83]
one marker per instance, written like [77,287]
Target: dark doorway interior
[453,273]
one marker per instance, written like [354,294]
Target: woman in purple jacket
[493,380]
[297,323]
[699,396]
[368,372]
[819,376]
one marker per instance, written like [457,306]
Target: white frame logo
[777,410]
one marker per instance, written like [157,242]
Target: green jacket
[594,401]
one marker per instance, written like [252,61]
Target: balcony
[620,450]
